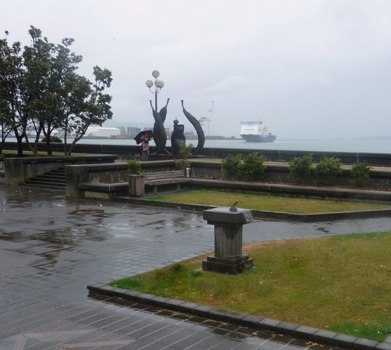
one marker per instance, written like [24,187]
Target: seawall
[130,152]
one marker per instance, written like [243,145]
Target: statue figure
[158,132]
[163,111]
[176,137]
[198,128]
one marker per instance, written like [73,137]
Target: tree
[61,85]
[88,105]
[40,90]
[13,96]
[5,129]
[38,65]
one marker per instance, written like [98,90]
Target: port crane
[205,121]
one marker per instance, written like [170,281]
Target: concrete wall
[105,173]
[18,170]
[117,172]
[279,173]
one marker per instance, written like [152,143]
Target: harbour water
[337,145]
[370,145]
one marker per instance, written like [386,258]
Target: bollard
[228,234]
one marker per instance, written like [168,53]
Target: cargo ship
[255,131]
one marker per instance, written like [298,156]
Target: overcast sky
[307,68]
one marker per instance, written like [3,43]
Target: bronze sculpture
[198,128]
[159,132]
[176,137]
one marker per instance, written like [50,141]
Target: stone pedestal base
[136,185]
[231,266]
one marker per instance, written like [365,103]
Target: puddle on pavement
[49,217]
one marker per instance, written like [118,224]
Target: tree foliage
[40,91]
[13,94]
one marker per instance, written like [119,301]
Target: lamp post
[158,85]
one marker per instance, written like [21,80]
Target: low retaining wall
[279,173]
[104,173]
[209,175]
[18,170]
[293,190]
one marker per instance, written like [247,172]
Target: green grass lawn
[265,202]
[339,283]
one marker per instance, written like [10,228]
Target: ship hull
[259,138]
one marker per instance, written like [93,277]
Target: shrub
[185,152]
[231,166]
[134,167]
[53,139]
[327,170]
[182,164]
[2,157]
[300,169]
[253,167]
[360,174]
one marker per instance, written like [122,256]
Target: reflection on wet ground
[51,248]
[32,215]
[29,214]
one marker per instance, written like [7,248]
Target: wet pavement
[51,248]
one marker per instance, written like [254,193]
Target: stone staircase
[54,179]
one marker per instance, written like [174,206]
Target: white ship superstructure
[255,131]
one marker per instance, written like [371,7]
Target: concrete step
[45,181]
[45,185]
[52,179]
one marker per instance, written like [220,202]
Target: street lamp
[158,85]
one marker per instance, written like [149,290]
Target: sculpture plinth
[228,234]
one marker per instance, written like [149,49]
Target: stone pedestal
[136,185]
[228,232]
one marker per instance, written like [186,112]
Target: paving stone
[47,265]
